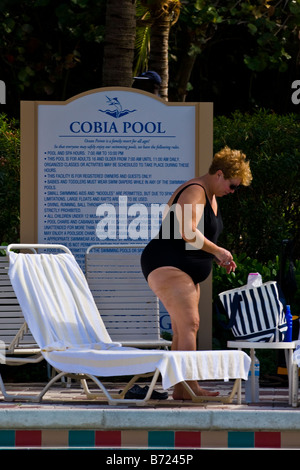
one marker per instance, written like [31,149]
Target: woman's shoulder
[191,188]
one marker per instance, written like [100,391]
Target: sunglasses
[233,187]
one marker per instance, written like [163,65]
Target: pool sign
[113,152]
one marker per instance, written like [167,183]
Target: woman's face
[227,185]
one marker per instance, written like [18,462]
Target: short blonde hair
[233,164]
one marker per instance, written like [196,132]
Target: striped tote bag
[256,313]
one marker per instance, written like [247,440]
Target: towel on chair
[60,311]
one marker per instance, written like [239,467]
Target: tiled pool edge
[170,428]
[91,439]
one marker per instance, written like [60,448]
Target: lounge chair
[64,320]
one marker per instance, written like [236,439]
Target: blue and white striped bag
[256,313]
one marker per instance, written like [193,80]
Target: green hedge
[9,180]
[259,217]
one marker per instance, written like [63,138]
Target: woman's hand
[224,258]
[229,266]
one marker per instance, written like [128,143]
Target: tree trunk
[158,60]
[119,43]
[183,76]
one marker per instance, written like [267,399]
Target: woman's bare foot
[181,393]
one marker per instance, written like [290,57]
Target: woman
[180,257]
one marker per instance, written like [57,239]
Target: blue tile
[163,439]
[7,438]
[240,439]
[81,438]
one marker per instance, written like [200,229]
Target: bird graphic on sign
[117,111]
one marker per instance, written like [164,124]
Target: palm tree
[119,43]
[156,19]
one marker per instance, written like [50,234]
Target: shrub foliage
[9,180]
[259,217]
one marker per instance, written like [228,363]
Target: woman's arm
[189,211]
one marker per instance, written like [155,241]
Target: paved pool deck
[67,419]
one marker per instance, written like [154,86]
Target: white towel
[61,313]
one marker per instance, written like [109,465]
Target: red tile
[268,439]
[187,439]
[108,438]
[28,438]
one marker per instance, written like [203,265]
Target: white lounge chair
[64,320]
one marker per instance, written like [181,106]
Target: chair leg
[294,384]
[32,398]
[236,389]
[119,399]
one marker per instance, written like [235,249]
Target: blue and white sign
[107,163]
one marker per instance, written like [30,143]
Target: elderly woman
[180,257]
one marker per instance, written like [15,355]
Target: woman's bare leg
[180,297]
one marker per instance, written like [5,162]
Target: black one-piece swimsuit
[174,250]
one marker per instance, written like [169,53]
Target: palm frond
[142,47]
